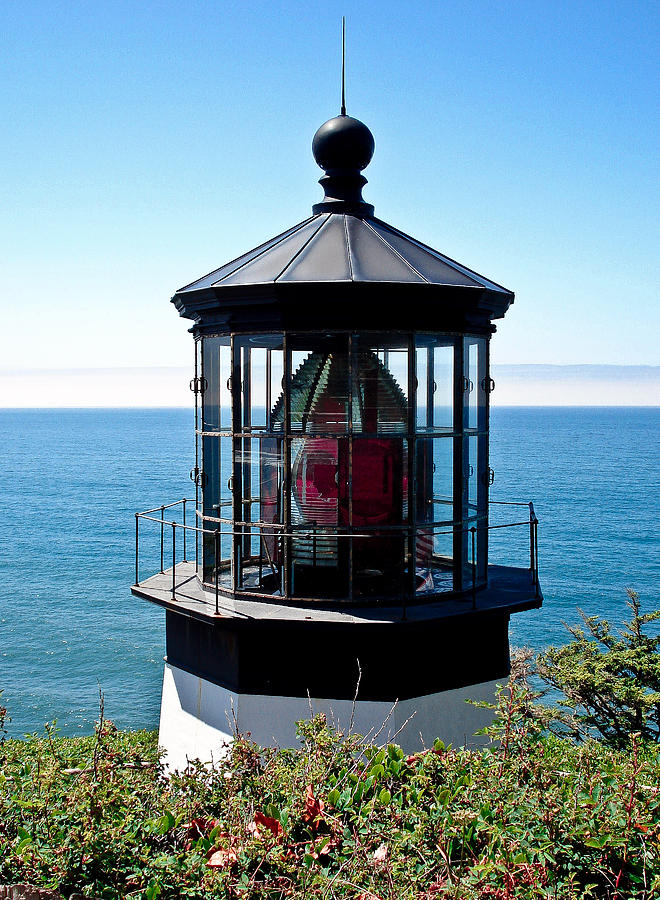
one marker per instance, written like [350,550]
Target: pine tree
[610,678]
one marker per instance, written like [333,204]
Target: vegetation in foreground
[534,815]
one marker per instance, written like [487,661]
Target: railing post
[473,532]
[137,544]
[173,560]
[216,555]
[185,555]
[196,533]
[531,542]
[162,537]
[536,554]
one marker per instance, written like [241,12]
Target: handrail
[310,531]
[305,532]
[166,506]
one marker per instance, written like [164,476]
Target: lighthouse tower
[341,519]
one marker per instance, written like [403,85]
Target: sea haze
[72,480]
[167,386]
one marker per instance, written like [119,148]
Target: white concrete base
[198,718]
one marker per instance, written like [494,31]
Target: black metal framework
[344,466]
[175,581]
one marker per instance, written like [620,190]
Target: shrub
[531,816]
[610,679]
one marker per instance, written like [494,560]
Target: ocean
[71,481]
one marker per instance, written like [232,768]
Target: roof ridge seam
[300,249]
[396,253]
[442,256]
[349,254]
[261,247]
[265,249]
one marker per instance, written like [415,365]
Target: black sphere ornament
[343,146]
[343,143]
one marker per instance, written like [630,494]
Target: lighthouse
[335,555]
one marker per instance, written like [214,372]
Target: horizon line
[192,407]
[71,369]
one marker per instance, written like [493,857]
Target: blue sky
[147,143]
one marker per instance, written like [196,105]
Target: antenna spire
[343,66]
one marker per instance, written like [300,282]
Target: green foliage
[3,719]
[533,815]
[610,679]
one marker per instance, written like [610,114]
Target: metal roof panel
[267,266]
[373,259]
[340,247]
[324,258]
[228,268]
[435,266]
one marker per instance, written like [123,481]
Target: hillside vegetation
[534,815]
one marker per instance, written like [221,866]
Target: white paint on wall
[198,718]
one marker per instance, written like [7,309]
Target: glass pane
[260,554]
[470,553]
[443,480]
[475,349]
[482,548]
[258,388]
[270,478]
[473,385]
[316,493]
[319,501]
[210,361]
[271,506]
[198,458]
[435,480]
[211,373]
[442,382]
[379,503]
[435,383]
[216,475]
[320,563]
[274,383]
[259,362]
[477,496]
[424,414]
[319,398]
[257,487]
[379,564]
[216,371]
[483,473]
[472,474]
[210,475]
[379,480]
[223,544]
[380,386]
[434,551]
[217,504]
[334,486]
[246,478]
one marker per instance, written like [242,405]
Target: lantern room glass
[343,467]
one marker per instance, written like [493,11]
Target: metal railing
[533,523]
[311,532]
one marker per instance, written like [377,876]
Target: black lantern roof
[342,267]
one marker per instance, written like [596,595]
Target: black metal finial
[343,66]
[343,146]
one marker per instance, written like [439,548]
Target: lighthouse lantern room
[341,511]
